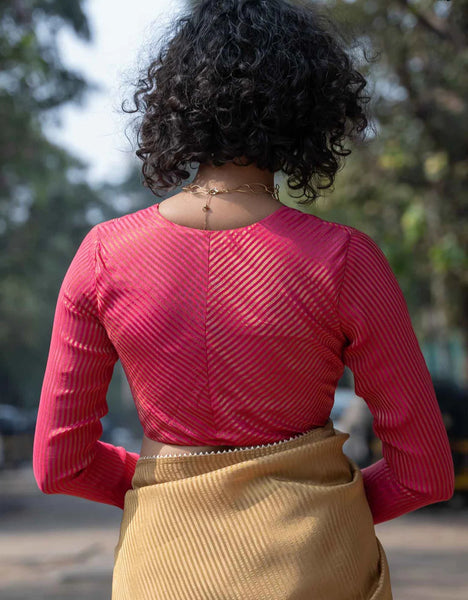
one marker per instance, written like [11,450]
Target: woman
[234,316]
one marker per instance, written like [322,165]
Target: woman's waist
[314,455]
[152,448]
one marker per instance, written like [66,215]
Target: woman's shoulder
[352,235]
[294,219]
[125,223]
[313,226]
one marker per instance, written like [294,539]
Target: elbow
[45,479]
[41,468]
[444,491]
[53,484]
[50,485]
[439,496]
[440,485]
[432,492]
[447,491]
[45,485]
[446,488]
[41,476]
[45,489]
[54,477]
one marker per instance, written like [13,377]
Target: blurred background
[66,163]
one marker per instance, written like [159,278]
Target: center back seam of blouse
[205,335]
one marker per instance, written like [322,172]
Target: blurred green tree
[406,184]
[45,205]
[415,170]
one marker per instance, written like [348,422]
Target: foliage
[406,186]
[43,208]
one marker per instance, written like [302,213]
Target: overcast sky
[121,31]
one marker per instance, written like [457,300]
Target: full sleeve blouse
[391,375]
[69,457]
[185,310]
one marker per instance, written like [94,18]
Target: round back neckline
[234,229]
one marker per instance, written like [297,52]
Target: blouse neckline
[254,225]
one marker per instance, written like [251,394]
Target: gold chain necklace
[196,189]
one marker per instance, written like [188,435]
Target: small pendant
[206,208]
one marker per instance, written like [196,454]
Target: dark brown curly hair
[268,80]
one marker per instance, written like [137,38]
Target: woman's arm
[68,457]
[391,375]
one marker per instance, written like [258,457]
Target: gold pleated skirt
[282,521]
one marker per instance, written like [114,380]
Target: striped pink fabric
[235,337]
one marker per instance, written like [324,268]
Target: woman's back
[254,313]
[239,337]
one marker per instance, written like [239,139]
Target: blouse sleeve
[68,457]
[391,376]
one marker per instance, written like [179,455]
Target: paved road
[59,547]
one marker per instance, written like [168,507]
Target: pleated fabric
[288,520]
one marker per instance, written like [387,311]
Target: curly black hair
[268,80]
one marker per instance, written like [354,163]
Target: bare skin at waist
[151,447]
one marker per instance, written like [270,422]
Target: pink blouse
[235,337]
